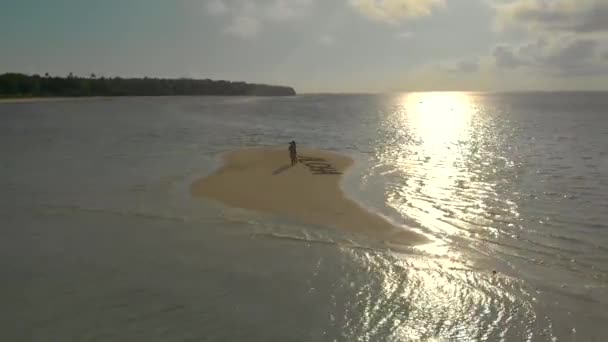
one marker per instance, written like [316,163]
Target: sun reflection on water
[438,124]
[442,161]
[439,118]
[440,173]
[439,160]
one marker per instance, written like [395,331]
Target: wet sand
[262,179]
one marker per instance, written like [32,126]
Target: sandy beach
[262,179]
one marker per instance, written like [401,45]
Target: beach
[262,179]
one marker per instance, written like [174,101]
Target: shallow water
[101,241]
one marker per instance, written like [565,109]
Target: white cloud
[243,27]
[326,40]
[395,11]
[216,7]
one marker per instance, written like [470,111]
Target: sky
[317,45]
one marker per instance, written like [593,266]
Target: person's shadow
[281,169]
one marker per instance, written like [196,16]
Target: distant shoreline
[16,85]
[8,100]
[46,99]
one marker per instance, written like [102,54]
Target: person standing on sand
[293,154]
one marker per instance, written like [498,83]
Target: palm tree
[93,76]
[46,74]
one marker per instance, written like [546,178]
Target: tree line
[21,85]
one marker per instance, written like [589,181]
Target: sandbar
[262,179]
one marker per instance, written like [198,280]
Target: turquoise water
[101,241]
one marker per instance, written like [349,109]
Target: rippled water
[100,240]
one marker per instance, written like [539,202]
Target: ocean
[100,239]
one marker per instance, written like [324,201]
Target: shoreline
[9,100]
[261,179]
[86,98]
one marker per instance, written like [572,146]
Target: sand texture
[262,179]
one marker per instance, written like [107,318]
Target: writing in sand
[318,166]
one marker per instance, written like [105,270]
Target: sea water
[100,239]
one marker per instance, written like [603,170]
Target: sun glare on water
[436,132]
[438,118]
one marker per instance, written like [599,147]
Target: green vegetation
[20,85]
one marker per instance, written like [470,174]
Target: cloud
[564,36]
[247,18]
[573,54]
[512,57]
[404,35]
[243,27]
[506,58]
[326,40]
[283,10]
[563,56]
[395,11]
[468,66]
[462,66]
[216,7]
[581,16]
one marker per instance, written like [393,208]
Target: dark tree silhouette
[20,85]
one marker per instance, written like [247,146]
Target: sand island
[262,179]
